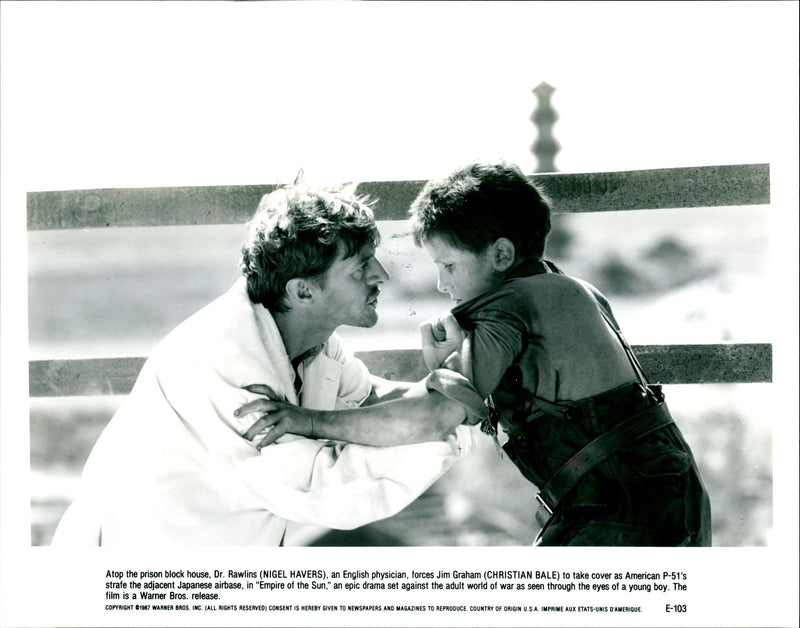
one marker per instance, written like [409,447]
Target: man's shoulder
[229,340]
[222,320]
[335,348]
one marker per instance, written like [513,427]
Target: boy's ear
[504,254]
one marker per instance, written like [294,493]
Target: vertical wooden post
[545,146]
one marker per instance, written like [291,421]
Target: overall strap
[563,409]
[637,367]
[641,424]
[596,451]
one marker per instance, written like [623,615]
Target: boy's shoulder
[557,290]
[524,295]
[538,286]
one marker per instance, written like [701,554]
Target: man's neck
[299,334]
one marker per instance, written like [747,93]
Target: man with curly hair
[172,466]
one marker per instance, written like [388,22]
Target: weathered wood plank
[707,363]
[83,377]
[706,186]
[669,364]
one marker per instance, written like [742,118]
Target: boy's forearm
[428,417]
[387,389]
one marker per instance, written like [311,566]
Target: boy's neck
[526,268]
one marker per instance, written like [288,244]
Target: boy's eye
[448,267]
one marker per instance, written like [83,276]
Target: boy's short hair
[479,203]
[297,231]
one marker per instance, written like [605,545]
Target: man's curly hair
[298,231]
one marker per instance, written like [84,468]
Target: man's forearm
[427,417]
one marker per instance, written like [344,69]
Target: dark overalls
[612,469]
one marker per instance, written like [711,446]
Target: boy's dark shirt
[541,333]
[556,319]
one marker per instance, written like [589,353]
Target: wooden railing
[710,186]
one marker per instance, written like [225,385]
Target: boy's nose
[441,286]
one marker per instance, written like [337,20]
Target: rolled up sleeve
[346,486]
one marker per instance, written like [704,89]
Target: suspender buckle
[543,503]
[489,423]
[656,392]
[541,517]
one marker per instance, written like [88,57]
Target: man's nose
[377,273]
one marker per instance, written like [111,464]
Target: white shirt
[171,467]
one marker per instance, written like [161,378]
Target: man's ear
[504,254]
[299,292]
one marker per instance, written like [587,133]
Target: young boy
[582,422]
[559,381]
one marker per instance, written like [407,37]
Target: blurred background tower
[545,147]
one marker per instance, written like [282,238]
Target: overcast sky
[140,94]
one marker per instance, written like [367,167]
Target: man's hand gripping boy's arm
[419,416]
[405,412]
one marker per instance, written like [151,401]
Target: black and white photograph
[399,313]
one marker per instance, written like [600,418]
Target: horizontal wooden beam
[705,186]
[707,363]
[83,377]
[669,364]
